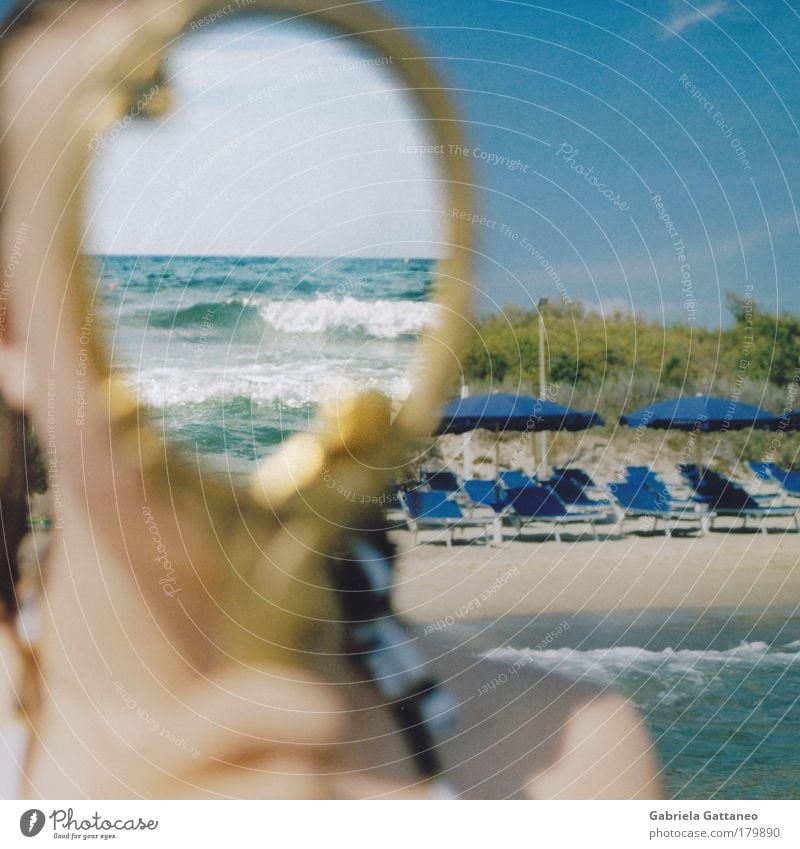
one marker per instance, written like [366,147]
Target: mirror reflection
[270,240]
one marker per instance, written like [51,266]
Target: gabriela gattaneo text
[695,815]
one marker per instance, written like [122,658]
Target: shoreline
[724,570]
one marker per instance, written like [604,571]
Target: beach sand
[739,569]
[729,568]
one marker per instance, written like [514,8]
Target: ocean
[233,354]
[719,690]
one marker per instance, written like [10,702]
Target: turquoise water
[233,354]
[719,691]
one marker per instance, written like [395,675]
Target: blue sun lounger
[515,479]
[635,501]
[442,480]
[580,476]
[635,474]
[725,498]
[763,470]
[538,503]
[485,494]
[788,480]
[646,478]
[438,511]
[574,494]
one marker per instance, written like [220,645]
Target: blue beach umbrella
[700,414]
[504,411]
[792,418]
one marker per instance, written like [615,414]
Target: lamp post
[541,436]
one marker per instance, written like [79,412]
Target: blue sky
[656,150]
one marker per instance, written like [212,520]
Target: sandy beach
[738,569]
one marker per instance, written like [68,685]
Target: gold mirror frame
[293,516]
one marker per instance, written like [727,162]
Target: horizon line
[258,256]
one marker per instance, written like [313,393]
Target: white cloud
[683,20]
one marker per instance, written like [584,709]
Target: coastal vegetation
[616,363]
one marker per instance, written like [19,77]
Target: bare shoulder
[605,752]
[523,732]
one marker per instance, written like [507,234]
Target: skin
[172,690]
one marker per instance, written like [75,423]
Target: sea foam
[379,318]
[292,388]
[606,663]
[382,319]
